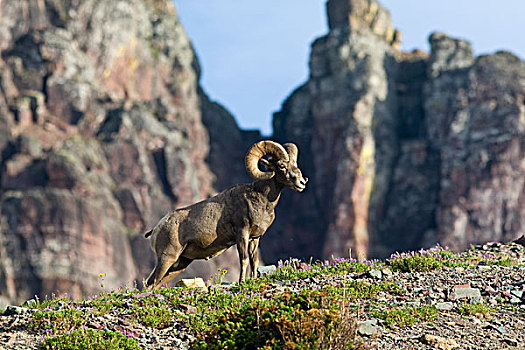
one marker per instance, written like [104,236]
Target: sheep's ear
[266,163]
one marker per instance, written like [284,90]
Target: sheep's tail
[147,234]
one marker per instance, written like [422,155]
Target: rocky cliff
[103,129]
[403,149]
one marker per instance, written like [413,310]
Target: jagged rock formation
[477,124]
[104,128]
[403,149]
[101,134]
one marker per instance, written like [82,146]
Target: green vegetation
[86,339]
[279,310]
[406,316]
[304,320]
[63,319]
[295,269]
[489,259]
[261,313]
[475,309]
[424,260]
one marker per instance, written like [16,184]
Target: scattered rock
[412,303]
[94,325]
[188,308]
[460,292]
[141,295]
[511,342]
[266,269]
[504,328]
[439,342]
[483,268]
[501,329]
[31,303]
[387,273]
[515,301]
[367,328]
[15,310]
[192,283]
[444,306]
[375,274]
[489,290]
[475,321]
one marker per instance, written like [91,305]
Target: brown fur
[239,215]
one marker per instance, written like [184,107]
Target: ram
[239,215]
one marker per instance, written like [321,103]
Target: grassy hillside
[426,299]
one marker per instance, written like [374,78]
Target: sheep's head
[281,163]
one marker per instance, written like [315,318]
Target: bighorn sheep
[239,215]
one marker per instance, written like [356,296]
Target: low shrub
[423,260]
[290,321]
[406,316]
[474,309]
[89,339]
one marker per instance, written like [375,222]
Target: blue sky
[253,54]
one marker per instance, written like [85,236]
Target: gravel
[501,287]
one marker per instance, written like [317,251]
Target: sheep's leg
[254,256]
[174,271]
[164,262]
[150,278]
[242,249]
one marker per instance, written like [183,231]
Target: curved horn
[293,152]
[259,150]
